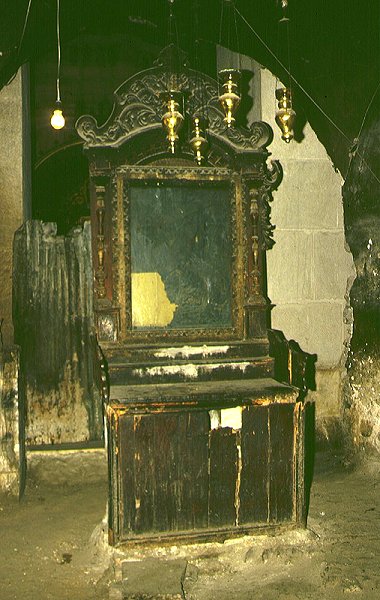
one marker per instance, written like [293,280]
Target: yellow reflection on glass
[151,306]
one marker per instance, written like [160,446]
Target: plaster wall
[12,169]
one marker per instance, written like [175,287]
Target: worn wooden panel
[165,459]
[223,476]
[281,424]
[144,473]
[306,456]
[54,326]
[177,475]
[192,484]
[125,477]
[300,467]
[163,467]
[254,480]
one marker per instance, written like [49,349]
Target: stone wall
[13,192]
[310,268]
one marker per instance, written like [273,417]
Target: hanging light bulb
[285,115]
[198,141]
[57,120]
[230,97]
[172,119]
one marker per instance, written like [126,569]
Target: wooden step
[174,352]
[182,370]
[202,394]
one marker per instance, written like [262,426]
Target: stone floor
[53,544]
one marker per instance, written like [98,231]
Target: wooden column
[256,304]
[107,314]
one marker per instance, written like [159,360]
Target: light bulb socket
[57,120]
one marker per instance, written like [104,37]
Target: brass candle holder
[172,119]
[285,115]
[198,141]
[230,97]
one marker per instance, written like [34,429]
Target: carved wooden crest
[138,108]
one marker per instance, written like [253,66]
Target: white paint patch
[241,366]
[214,419]
[187,351]
[189,370]
[231,417]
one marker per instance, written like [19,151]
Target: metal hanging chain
[198,90]
[173,40]
[170,23]
[221,22]
[237,35]
[311,98]
[199,82]
[227,16]
[351,143]
[287,22]
[278,60]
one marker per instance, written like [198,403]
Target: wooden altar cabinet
[202,441]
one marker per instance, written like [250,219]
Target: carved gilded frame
[131,145]
[123,177]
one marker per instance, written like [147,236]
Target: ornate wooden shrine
[202,441]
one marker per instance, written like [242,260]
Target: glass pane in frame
[181,255]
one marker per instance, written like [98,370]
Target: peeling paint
[189,370]
[238,477]
[187,351]
[59,415]
[231,417]
[9,423]
[54,327]
[214,419]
